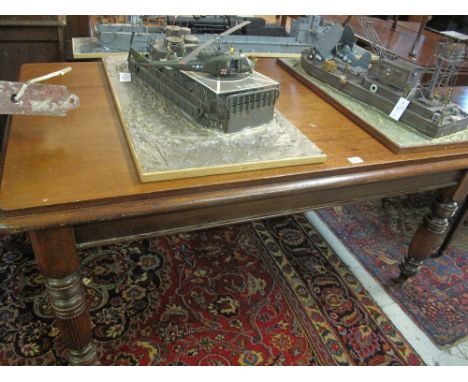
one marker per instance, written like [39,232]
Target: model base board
[166,145]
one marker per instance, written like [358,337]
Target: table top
[55,162]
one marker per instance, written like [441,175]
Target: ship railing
[253,100]
[188,101]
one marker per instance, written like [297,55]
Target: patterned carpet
[378,234]
[263,293]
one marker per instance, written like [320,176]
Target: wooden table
[71,181]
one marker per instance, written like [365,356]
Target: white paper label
[125,77]
[355,160]
[399,108]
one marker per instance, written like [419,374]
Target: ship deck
[251,81]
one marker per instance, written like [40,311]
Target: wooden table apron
[71,182]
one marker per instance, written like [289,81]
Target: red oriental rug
[263,293]
[378,233]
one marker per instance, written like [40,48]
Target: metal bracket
[29,98]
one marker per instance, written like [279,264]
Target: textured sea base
[164,140]
[89,47]
[401,134]
[378,233]
[265,293]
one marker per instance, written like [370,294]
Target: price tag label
[399,108]
[125,77]
[355,160]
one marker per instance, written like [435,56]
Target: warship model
[418,96]
[214,88]
[260,40]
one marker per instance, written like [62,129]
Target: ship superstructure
[213,88]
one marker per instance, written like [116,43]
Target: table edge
[216,195]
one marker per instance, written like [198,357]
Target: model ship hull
[383,98]
[120,41]
[204,100]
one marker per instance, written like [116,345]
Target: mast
[443,68]
[372,35]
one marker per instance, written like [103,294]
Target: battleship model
[116,37]
[418,96]
[214,88]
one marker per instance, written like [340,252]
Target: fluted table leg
[428,236]
[58,262]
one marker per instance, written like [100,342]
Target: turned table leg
[456,224]
[428,236]
[58,262]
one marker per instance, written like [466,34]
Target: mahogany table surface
[78,169]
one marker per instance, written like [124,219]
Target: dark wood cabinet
[27,39]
